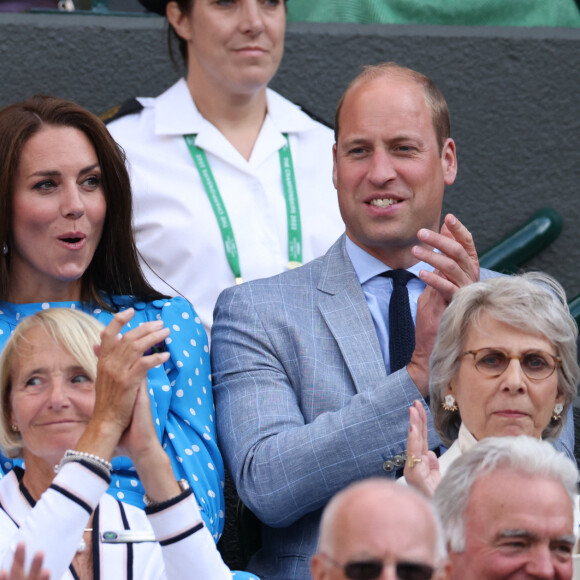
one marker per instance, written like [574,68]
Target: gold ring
[412,460]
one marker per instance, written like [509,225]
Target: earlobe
[449,161]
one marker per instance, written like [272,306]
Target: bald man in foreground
[375,529]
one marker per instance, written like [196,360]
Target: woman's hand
[141,444]
[424,475]
[121,371]
[140,438]
[17,570]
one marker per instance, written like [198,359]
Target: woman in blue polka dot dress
[66,241]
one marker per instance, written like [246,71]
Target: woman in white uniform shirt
[232,49]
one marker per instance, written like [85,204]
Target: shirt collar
[367,266]
[176,113]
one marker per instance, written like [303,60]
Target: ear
[317,567]
[449,162]
[444,572]
[12,420]
[180,21]
[334,171]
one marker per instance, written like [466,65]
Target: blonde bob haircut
[534,303]
[75,331]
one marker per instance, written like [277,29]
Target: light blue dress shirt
[377,290]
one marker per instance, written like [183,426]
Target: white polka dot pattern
[175,388]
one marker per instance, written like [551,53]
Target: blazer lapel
[343,306]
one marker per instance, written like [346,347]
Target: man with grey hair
[507,507]
[375,529]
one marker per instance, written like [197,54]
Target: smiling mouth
[384,202]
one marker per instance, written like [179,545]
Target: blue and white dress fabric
[173,543]
[181,401]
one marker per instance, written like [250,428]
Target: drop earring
[449,403]
[557,414]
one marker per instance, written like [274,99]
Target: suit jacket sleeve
[294,426]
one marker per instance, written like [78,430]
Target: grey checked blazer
[303,402]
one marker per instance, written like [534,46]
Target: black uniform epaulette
[317,118]
[129,107]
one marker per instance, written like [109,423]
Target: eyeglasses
[492,362]
[372,569]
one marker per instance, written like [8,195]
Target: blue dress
[181,401]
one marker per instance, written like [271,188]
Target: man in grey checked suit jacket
[304,401]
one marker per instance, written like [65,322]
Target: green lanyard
[221,214]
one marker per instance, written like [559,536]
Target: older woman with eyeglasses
[504,364]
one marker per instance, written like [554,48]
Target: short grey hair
[75,331]
[527,456]
[534,303]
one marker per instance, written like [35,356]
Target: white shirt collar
[176,113]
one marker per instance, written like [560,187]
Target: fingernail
[422,234]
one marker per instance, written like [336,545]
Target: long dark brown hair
[115,267]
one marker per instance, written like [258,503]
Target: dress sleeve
[187,546]
[184,411]
[56,523]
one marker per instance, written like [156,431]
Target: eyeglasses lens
[372,569]
[369,570]
[536,365]
[412,571]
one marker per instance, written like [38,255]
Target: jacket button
[388,465]
[398,460]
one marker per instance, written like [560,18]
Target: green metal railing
[523,244]
[574,306]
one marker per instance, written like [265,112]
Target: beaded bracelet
[104,466]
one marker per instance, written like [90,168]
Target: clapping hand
[422,466]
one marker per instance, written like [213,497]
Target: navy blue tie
[401,327]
